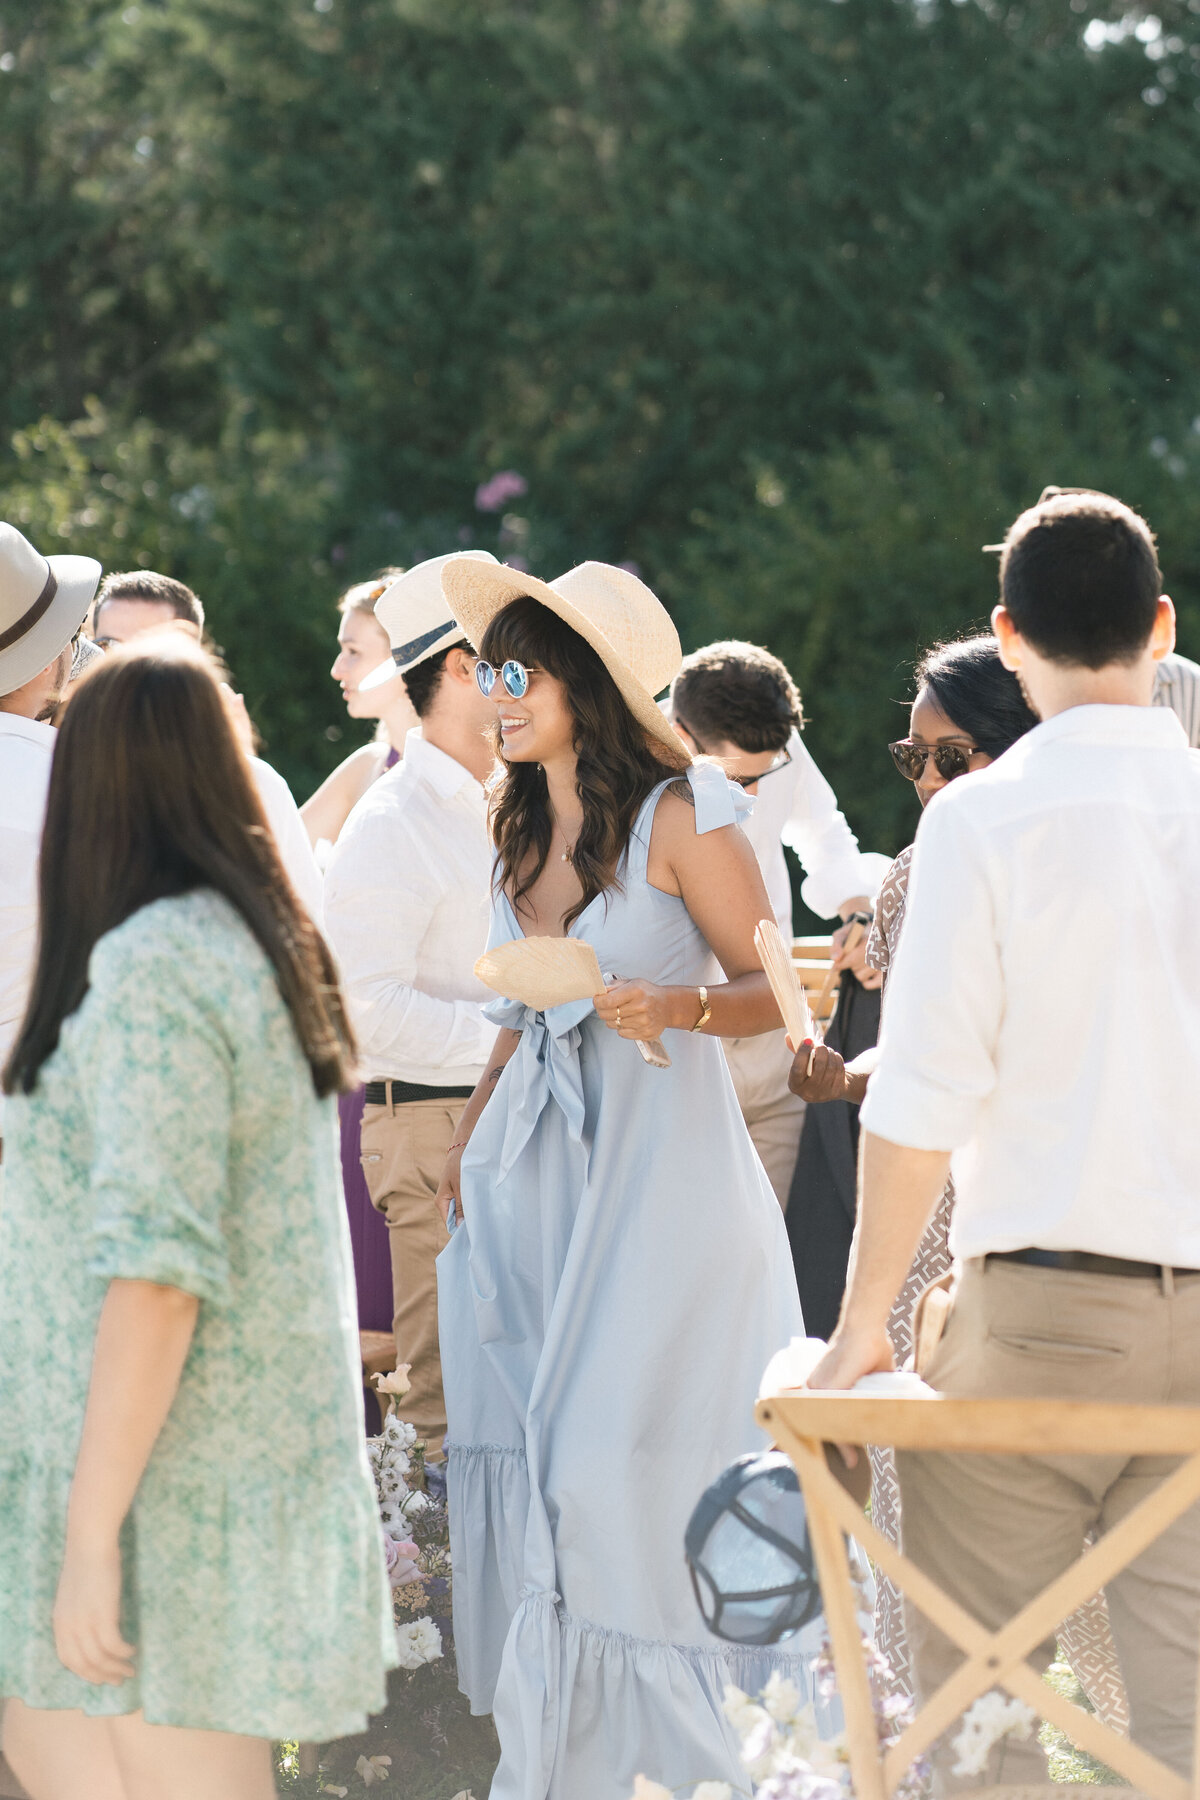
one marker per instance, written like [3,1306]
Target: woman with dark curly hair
[621,1275]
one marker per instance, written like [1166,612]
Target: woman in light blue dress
[191,1561]
[621,1274]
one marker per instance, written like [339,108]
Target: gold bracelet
[705,1009]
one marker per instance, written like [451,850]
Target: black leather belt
[1084,1262]
[404,1091]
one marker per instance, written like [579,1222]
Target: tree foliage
[791,302]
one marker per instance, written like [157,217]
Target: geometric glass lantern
[748,1551]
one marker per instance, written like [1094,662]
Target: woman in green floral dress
[190,1558]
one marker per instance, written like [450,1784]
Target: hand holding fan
[786,986]
[543,972]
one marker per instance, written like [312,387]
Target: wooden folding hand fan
[786,986]
[543,972]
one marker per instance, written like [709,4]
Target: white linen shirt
[291,838]
[1043,1013]
[406,913]
[796,806]
[26,753]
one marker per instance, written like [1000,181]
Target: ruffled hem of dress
[659,1702]
[488,1495]
[281,1590]
[743,1666]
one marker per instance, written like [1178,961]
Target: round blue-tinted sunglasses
[514,675]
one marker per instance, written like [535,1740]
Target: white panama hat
[627,626]
[43,602]
[413,611]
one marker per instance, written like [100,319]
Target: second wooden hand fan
[786,986]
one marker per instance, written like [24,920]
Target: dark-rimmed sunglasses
[743,781]
[950,760]
[514,677]
[749,781]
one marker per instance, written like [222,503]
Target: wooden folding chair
[801,1423]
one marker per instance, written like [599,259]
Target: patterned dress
[174,1137]
[1086,1637]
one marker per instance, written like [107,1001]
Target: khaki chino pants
[774,1116]
[993,1531]
[403,1154]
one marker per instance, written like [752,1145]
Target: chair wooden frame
[801,1423]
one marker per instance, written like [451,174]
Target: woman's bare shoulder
[674,833]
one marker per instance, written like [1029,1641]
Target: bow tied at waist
[545,1068]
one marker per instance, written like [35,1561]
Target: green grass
[1066,1763]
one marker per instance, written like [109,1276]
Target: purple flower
[492,495]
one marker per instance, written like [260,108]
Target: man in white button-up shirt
[1042,1033]
[737,702]
[136,600]
[406,913]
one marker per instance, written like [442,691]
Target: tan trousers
[760,1067]
[403,1155]
[993,1531]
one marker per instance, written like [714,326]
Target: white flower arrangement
[414,1528]
[991,1718]
[784,1754]
[417,1643]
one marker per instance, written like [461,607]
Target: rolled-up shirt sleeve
[836,870]
[381,894]
[945,998]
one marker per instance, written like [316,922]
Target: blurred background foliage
[792,303]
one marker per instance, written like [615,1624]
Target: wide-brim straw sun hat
[43,602]
[627,626]
[414,613]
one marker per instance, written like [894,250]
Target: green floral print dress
[174,1137]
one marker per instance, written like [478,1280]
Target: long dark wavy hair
[618,762]
[150,796]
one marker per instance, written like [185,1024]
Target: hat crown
[413,607]
[23,574]
[632,619]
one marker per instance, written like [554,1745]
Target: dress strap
[718,802]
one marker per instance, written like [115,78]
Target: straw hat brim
[78,577]
[476,592]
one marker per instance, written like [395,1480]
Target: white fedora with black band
[413,611]
[43,602]
[627,626]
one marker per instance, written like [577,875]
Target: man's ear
[1162,638]
[1008,637]
[462,661]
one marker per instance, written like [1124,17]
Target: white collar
[1157,727]
[33,730]
[444,775]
